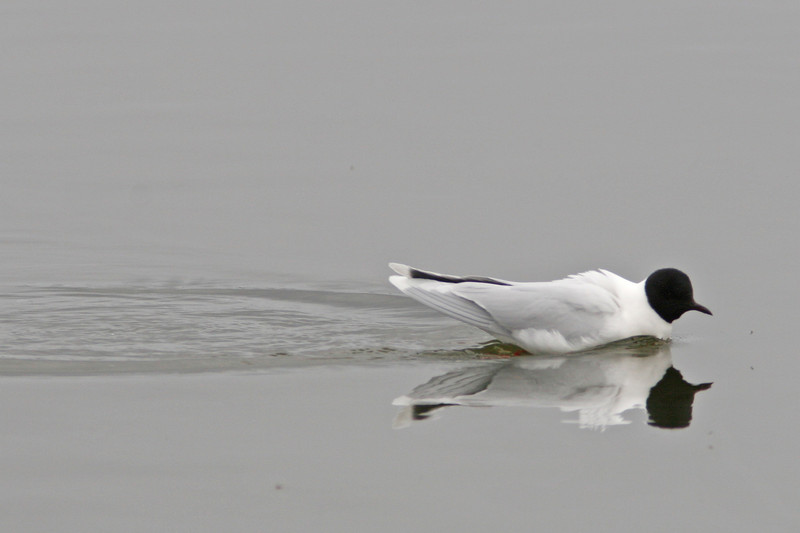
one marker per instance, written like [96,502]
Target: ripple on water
[209,327]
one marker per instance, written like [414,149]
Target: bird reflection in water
[600,385]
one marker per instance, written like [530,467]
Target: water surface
[199,201]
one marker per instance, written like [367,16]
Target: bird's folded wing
[440,296]
[570,307]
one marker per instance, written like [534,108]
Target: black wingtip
[422,274]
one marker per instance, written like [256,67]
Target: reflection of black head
[670,401]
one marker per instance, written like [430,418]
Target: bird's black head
[669,293]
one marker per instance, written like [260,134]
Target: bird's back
[559,316]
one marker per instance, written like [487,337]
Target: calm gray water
[199,201]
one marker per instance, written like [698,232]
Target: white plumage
[572,314]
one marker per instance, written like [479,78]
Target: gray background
[156,157]
[527,140]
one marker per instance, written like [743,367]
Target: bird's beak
[697,307]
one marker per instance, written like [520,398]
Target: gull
[573,314]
